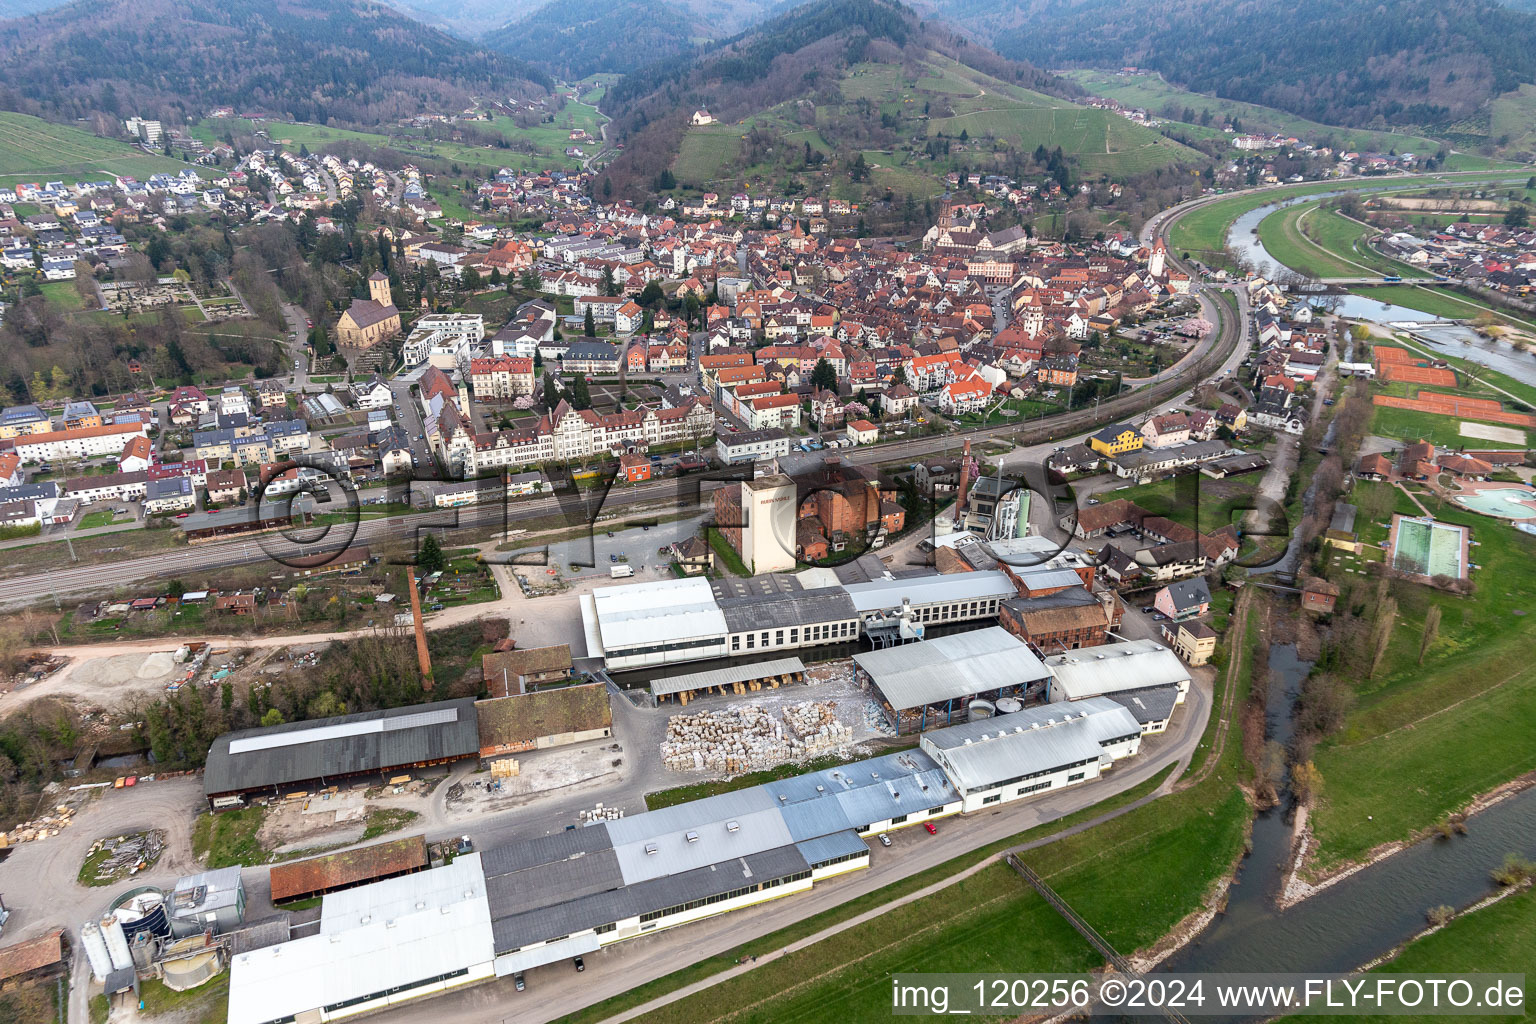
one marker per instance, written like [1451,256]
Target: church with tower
[372,320]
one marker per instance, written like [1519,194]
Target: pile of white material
[750,736]
[816,725]
[600,813]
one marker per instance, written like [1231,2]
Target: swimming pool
[1428,548]
[1503,502]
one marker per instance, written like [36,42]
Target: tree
[227,698]
[528,280]
[1306,781]
[551,389]
[580,397]
[470,279]
[824,376]
[1517,217]
[610,283]
[430,556]
[589,325]
[1381,636]
[271,718]
[651,295]
[900,376]
[1431,630]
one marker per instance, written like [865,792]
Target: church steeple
[378,289]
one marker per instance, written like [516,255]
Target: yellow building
[1116,439]
[372,320]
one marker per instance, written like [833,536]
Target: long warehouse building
[303,756]
[665,622]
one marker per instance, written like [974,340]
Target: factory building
[540,901]
[932,598]
[571,893]
[1009,757]
[378,946]
[305,756]
[660,623]
[932,684]
[1141,675]
[758,519]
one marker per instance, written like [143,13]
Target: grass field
[1401,760]
[1498,938]
[34,148]
[1193,496]
[1413,425]
[1205,229]
[1153,93]
[1324,243]
[1514,115]
[547,141]
[1442,302]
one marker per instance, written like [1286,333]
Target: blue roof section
[838,844]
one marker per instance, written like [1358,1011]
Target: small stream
[1364,915]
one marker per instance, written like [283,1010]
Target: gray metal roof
[1151,704]
[1042,579]
[1052,736]
[256,758]
[206,891]
[1190,593]
[882,595]
[784,610]
[590,911]
[726,676]
[1129,665]
[959,665]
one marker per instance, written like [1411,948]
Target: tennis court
[1425,547]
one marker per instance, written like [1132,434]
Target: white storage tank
[1009,705]
[117,943]
[96,950]
[980,709]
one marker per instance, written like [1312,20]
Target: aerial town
[743,535]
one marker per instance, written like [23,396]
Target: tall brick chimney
[965,479]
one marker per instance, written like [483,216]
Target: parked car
[517,980]
[933,829]
[581,965]
[885,840]
[1147,609]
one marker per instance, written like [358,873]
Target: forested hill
[352,61]
[575,38]
[799,55]
[1348,62]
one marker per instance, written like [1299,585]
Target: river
[1360,917]
[1447,338]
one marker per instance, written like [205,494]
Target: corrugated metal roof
[349,867]
[982,754]
[1153,704]
[697,842]
[781,611]
[1128,665]
[1044,579]
[327,751]
[551,952]
[665,611]
[825,848]
[424,926]
[881,595]
[726,676]
[947,667]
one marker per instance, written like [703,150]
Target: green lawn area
[727,554]
[1498,938]
[1402,759]
[206,1004]
[1191,496]
[1442,302]
[91,520]
[1413,425]
[32,148]
[226,839]
[1514,114]
[1205,229]
[1324,243]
